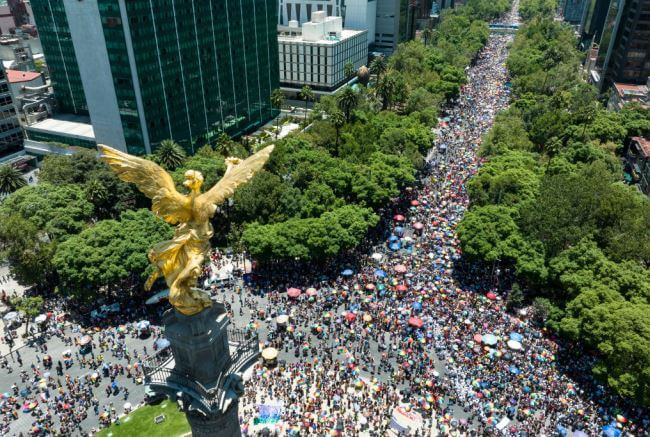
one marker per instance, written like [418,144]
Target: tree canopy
[551,204]
[109,252]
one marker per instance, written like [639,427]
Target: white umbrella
[270,353]
[157,297]
[11,316]
[377,256]
[514,345]
[282,319]
[40,319]
[127,406]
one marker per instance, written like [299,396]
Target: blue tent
[394,246]
[380,273]
[514,370]
[417,306]
[347,272]
[399,230]
[516,336]
[611,431]
[162,343]
[393,238]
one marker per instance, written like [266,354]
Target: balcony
[160,372]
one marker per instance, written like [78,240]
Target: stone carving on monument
[202,367]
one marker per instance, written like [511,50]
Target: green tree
[277,101]
[515,297]
[311,238]
[109,253]
[31,306]
[263,199]
[212,166]
[338,120]
[426,36]
[348,70]
[56,211]
[490,234]
[170,155]
[378,66]
[226,147]
[347,100]
[307,94]
[10,179]
[28,253]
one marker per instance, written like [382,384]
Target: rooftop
[631,90]
[333,40]
[16,76]
[67,125]
[644,145]
[321,29]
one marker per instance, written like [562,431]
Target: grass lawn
[140,422]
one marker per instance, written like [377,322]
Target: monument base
[211,425]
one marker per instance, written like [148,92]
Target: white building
[316,54]
[356,14]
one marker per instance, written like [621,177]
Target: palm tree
[10,179]
[386,89]
[347,100]
[226,146]
[426,35]
[348,70]
[170,155]
[338,120]
[378,67]
[307,95]
[277,101]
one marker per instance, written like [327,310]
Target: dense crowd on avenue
[408,338]
[72,378]
[405,338]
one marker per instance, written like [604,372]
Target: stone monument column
[203,364]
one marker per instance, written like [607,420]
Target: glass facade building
[180,69]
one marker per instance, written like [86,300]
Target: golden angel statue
[180,260]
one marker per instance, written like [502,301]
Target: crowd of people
[407,328]
[72,370]
[405,338]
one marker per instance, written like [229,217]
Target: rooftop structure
[316,53]
[356,14]
[17,76]
[623,93]
[68,129]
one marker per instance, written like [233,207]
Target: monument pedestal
[202,367]
[199,342]
[222,425]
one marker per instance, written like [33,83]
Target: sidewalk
[10,287]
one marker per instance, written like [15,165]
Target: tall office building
[618,31]
[573,10]
[148,70]
[395,24]
[11,134]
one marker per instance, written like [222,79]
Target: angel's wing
[235,176]
[152,180]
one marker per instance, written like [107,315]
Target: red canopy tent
[416,322]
